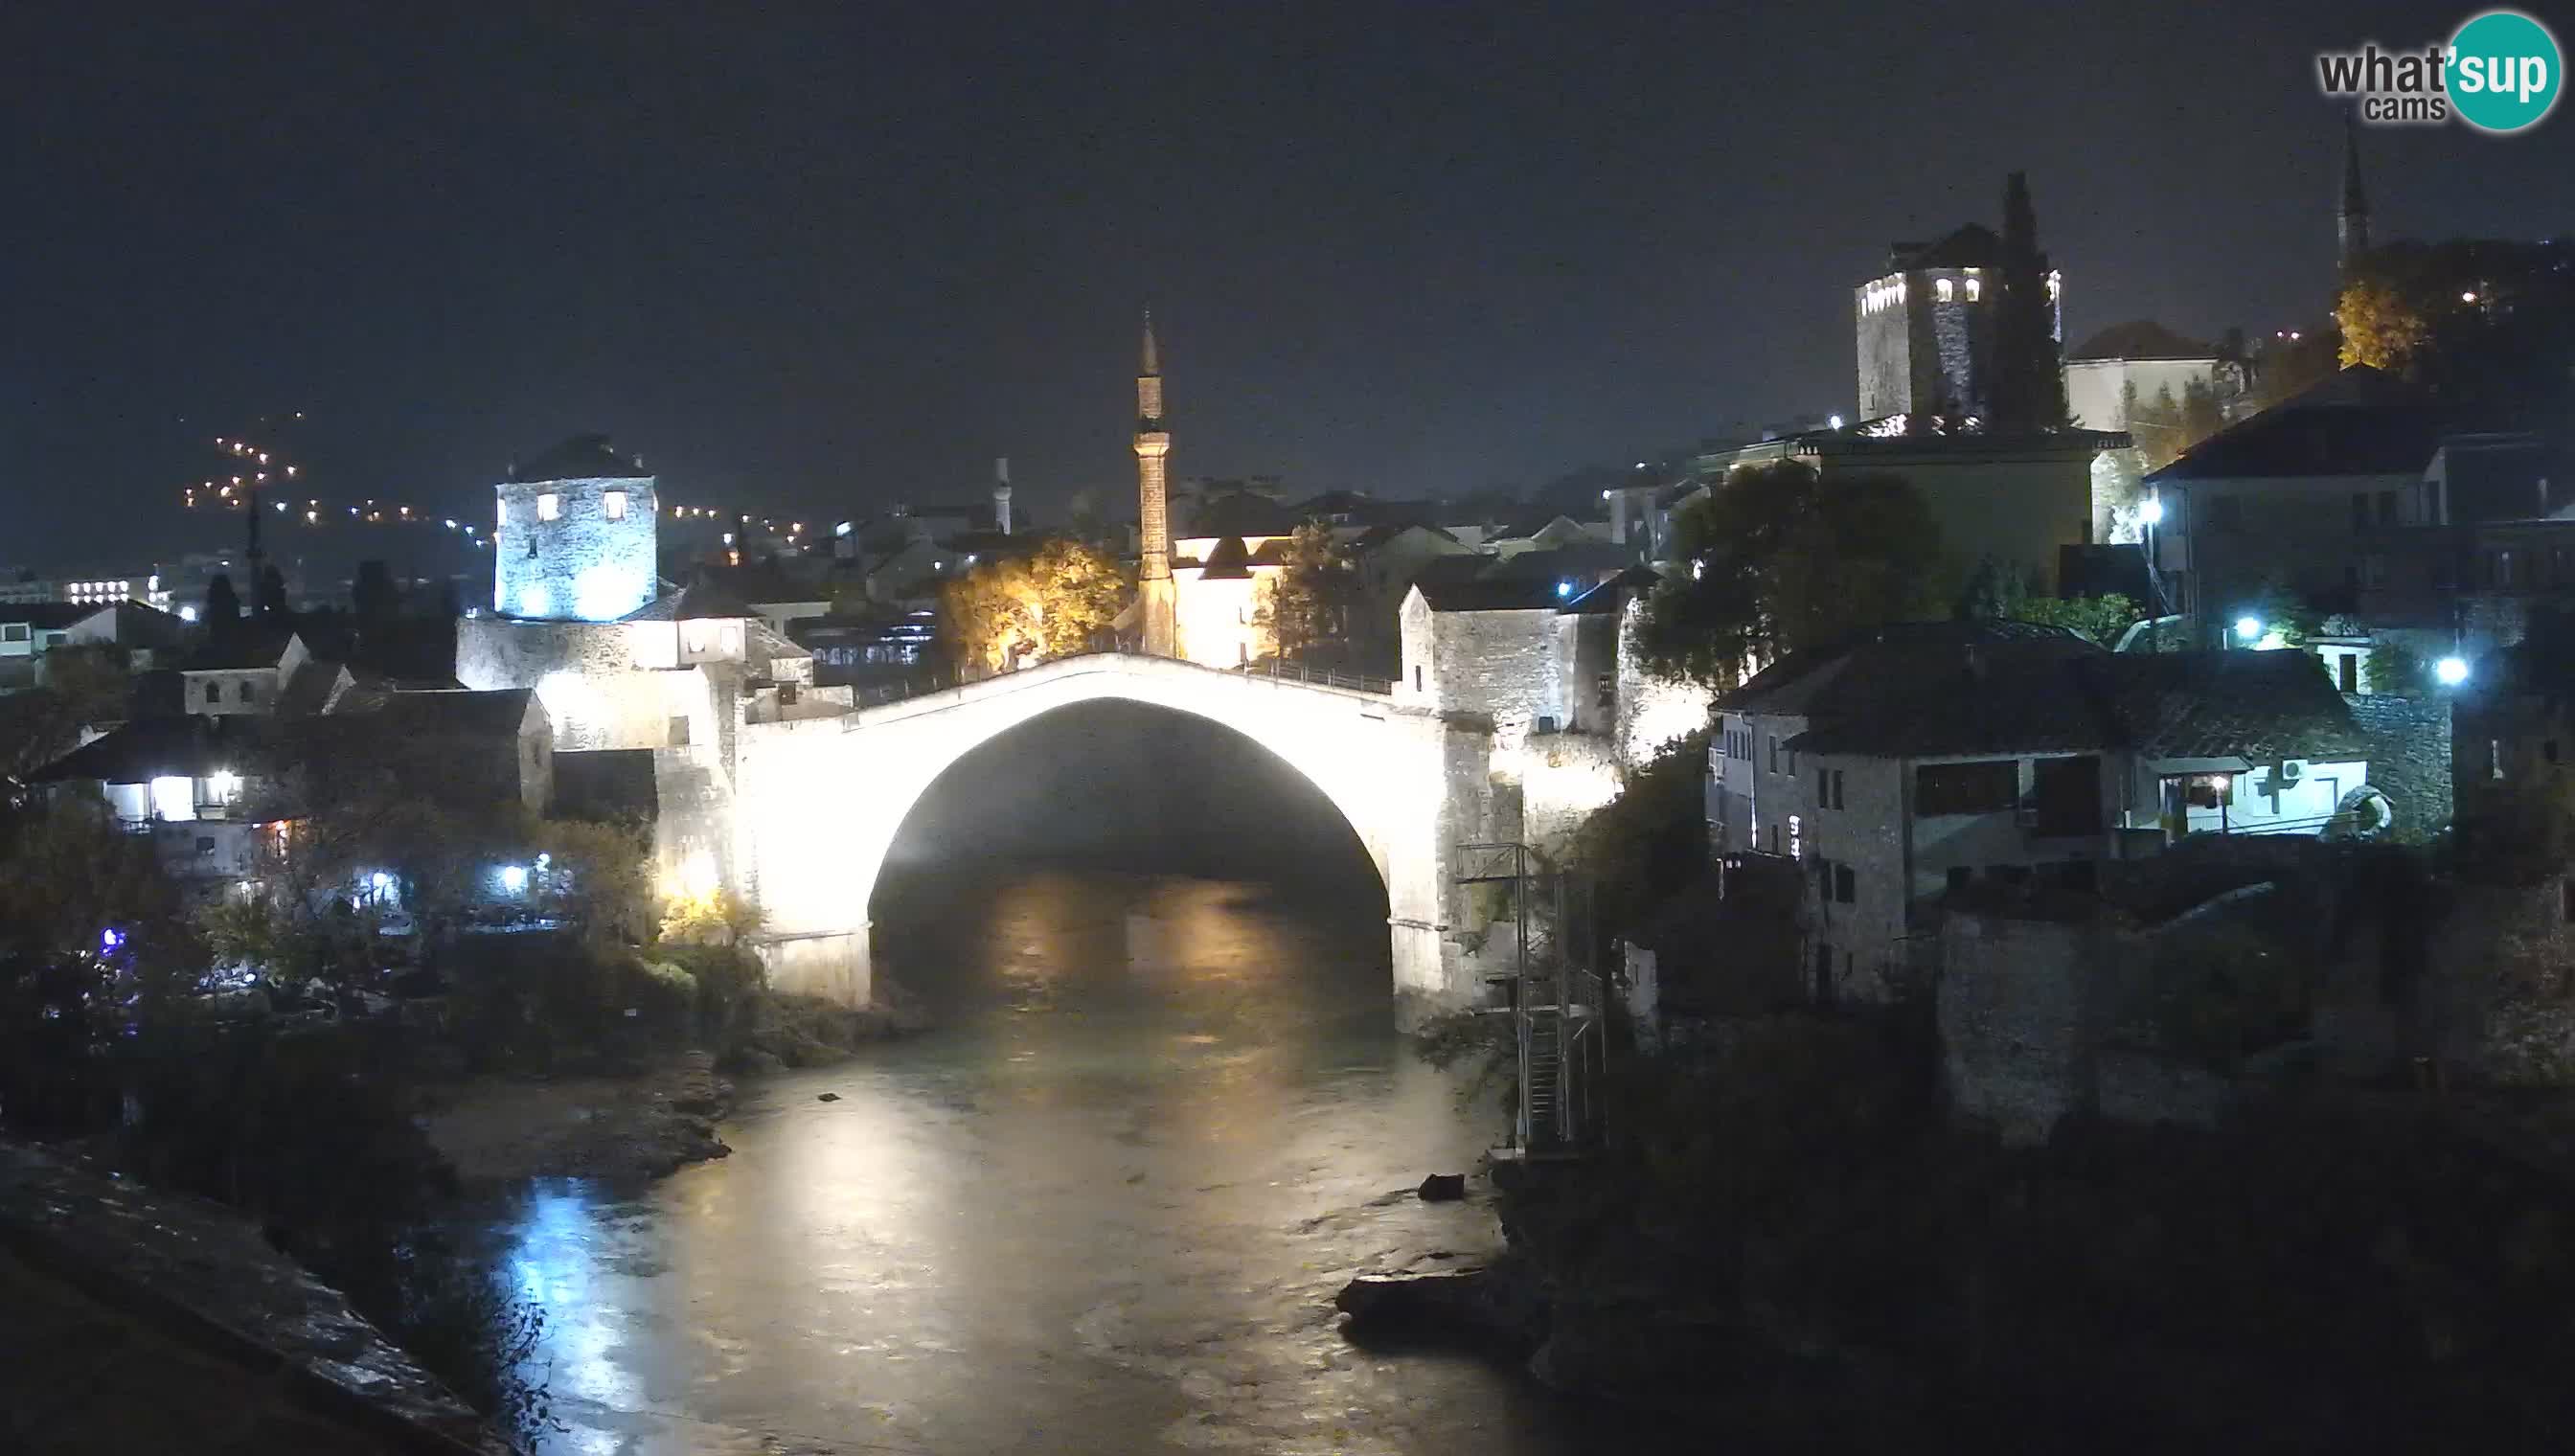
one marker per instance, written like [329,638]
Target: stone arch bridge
[817,801]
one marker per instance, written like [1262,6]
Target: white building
[2146,357]
[1923,760]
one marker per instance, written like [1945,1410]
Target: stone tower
[1156,599]
[2351,221]
[576,537]
[1002,495]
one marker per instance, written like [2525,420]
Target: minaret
[1002,495]
[2351,224]
[1156,599]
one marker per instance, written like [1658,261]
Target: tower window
[1945,289]
[612,505]
[1976,288]
[505,514]
[550,507]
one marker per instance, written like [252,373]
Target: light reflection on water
[1102,1208]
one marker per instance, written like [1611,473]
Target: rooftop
[2360,422]
[581,458]
[2139,339]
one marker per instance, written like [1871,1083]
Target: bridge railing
[1321,678]
[947,679]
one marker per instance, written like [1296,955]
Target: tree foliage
[1775,560]
[1301,613]
[2380,327]
[1019,610]
[2394,668]
[2029,378]
[2166,428]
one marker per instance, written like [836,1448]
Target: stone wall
[1498,666]
[2409,757]
[2019,1022]
[2500,1000]
[580,565]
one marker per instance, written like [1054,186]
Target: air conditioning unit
[2289,771]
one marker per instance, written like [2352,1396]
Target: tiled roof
[163,747]
[1226,561]
[2358,423]
[1485,594]
[1611,596]
[1972,246]
[1852,675]
[2262,707]
[581,458]
[691,603]
[45,616]
[493,712]
[247,647]
[2140,339]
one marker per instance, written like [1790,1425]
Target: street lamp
[2152,513]
[2249,627]
[2451,672]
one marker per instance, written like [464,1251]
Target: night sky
[821,258]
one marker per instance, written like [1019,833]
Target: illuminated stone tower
[2351,221]
[1156,600]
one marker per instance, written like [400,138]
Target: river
[1104,1207]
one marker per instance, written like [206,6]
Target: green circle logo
[2503,71]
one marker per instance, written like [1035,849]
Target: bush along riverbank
[1783,1235]
[364,1145]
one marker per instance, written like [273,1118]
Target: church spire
[2351,223]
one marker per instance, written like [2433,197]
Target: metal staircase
[1554,1004]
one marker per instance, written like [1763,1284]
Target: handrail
[884,694]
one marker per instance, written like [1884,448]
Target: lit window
[612,505]
[1945,289]
[1976,288]
[550,507]
[505,514]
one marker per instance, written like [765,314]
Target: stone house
[259,671]
[1917,762]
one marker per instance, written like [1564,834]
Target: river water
[1102,1207]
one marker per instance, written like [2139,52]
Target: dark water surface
[1102,1208]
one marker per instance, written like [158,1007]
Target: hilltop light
[2451,672]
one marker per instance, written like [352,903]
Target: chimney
[1002,495]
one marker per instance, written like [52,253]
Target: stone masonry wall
[2409,757]
[580,564]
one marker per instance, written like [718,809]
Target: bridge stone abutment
[818,802]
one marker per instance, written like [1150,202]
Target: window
[1604,690]
[612,505]
[1417,679]
[2360,510]
[2065,796]
[2494,758]
[503,518]
[1774,753]
[1837,788]
[1976,288]
[1823,790]
[13,632]
[1966,789]
[2347,672]
[250,693]
[214,693]
[549,507]
[1845,885]
[2387,508]
[205,845]
[1944,288]
[679,734]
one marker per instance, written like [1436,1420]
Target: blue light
[110,941]
[1565,589]
[514,877]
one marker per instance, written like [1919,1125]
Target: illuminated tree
[1019,610]
[2380,327]
[1776,560]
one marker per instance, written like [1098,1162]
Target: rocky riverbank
[500,1130]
